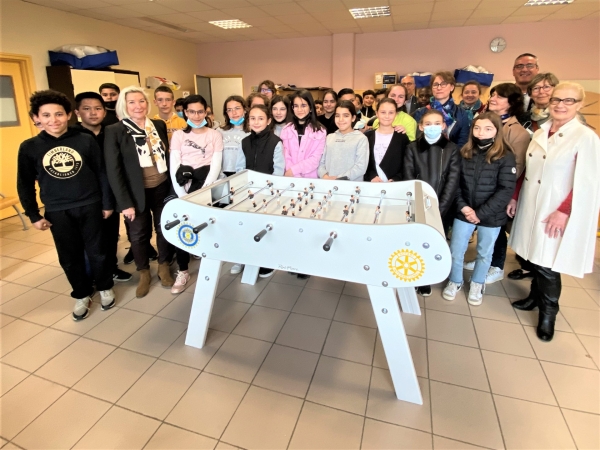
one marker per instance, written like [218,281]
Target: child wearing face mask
[234,130]
[435,160]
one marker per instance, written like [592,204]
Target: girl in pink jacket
[303,138]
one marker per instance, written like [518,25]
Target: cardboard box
[384,80]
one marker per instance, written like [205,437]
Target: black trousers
[78,231]
[140,229]
[110,229]
[183,259]
[545,288]
[499,256]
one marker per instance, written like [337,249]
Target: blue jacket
[459,134]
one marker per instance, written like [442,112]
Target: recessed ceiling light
[547,2]
[230,24]
[369,13]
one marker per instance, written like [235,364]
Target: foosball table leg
[204,297]
[250,274]
[408,300]
[395,344]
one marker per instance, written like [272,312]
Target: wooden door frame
[26,67]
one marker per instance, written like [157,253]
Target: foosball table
[388,236]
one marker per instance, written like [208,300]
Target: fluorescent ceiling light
[547,2]
[230,24]
[369,13]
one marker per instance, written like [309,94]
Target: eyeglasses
[442,85]
[567,101]
[191,112]
[266,90]
[523,66]
[546,88]
[303,106]
[236,109]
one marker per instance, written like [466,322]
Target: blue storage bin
[422,81]
[462,76]
[98,61]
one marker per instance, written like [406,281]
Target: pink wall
[342,61]
[570,49]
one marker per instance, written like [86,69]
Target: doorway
[216,89]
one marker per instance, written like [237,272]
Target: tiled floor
[288,364]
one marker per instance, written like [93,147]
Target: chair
[6,202]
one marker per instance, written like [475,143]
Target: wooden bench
[7,202]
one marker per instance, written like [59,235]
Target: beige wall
[30,29]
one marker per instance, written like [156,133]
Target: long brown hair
[498,149]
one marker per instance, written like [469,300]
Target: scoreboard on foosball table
[388,236]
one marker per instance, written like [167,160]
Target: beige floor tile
[48,257]
[383,436]
[171,438]
[39,276]
[117,328]
[287,370]
[156,300]
[119,429]
[51,311]
[64,423]
[246,293]
[304,332]
[224,446]
[226,314]
[32,251]
[325,284]
[261,323]
[577,298]
[110,379]
[12,273]
[495,308]
[503,337]
[356,311]
[279,296]
[3,442]
[10,291]
[496,290]
[198,358]
[264,419]
[530,318]
[595,295]
[125,292]
[25,402]
[5,320]
[565,348]
[590,281]
[592,345]
[287,278]
[585,429]
[415,325]
[239,358]
[34,353]
[441,443]
[437,302]
[582,321]
[515,376]
[458,365]
[465,415]
[418,350]
[350,342]
[224,281]
[155,336]
[179,309]
[451,328]
[355,290]
[10,377]
[516,290]
[26,302]
[384,405]
[320,427]
[531,425]
[7,261]
[317,303]
[219,398]
[340,384]
[72,364]
[82,327]
[574,387]
[15,334]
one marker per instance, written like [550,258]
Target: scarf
[148,144]
[473,108]
[445,109]
[540,115]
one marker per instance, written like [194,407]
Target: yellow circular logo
[406,265]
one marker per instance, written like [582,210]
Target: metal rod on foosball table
[234,192]
[279,194]
[269,184]
[378,208]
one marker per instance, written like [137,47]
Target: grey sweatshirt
[345,155]
[232,146]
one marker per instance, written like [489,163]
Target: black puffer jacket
[438,165]
[487,188]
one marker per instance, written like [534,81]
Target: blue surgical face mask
[237,122]
[179,113]
[432,133]
[193,125]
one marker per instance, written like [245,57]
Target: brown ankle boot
[164,275]
[144,284]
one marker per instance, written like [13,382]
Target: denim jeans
[486,237]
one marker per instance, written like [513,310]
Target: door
[203,88]
[16,85]
[223,87]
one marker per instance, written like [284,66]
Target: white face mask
[432,133]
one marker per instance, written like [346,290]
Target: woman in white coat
[557,207]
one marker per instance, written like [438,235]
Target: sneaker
[476,291]
[494,274]
[237,268]
[128,259]
[469,265]
[152,253]
[451,290]
[120,276]
[180,281]
[263,272]
[424,291]
[107,299]
[81,309]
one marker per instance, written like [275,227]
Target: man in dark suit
[411,102]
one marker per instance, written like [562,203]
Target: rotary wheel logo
[62,162]
[187,236]
[406,265]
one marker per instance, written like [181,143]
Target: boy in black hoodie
[74,189]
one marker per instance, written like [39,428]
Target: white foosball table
[388,236]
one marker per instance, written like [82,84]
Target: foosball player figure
[305,192]
[346,213]
[272,191]
[278,197]
[311,186]
[311,196]
[352,211]
[250,195]
[407,216]
[264,206]
[292,203]
[299,207]
[299,200]
[305,202]
[352,199]
[312,213]
[329,195]
[254,204]
[377,212]
[284,211]
[293,214]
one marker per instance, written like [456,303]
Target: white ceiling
[282,19]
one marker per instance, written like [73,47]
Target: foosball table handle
[329,242]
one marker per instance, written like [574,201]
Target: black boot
[549,288]
[545,328]
[527,304]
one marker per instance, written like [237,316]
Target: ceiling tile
[409,2]
[269,2]
[321,6]
[211,15]
[94,14]
[221,4]
[180,18]
[185,5]
[283,9]
[297,18]
[365,3]
[455,5]
[375,22]
[567,15]
[316,33]
[524,19]
[117,12]
[289,35]
[199,26]
[339,30]
[485,13]
[54,5]
[417,18]
[82,4]
[471,22]
[379,29]
[149,9]
[591,7]
[277,28]
[451,14]
[411,26]
[249,12]
[493,4]
[124,2]
[537,10]
[262,22]
[446,23]
[305,27]
[420,8]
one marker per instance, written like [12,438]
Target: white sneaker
[451,290]
[180,282]
[81,309]
[476,291]
[237,268]
[494,274]
[469,265]
[107,299]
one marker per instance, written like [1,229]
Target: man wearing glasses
[524,69]
[411,102]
